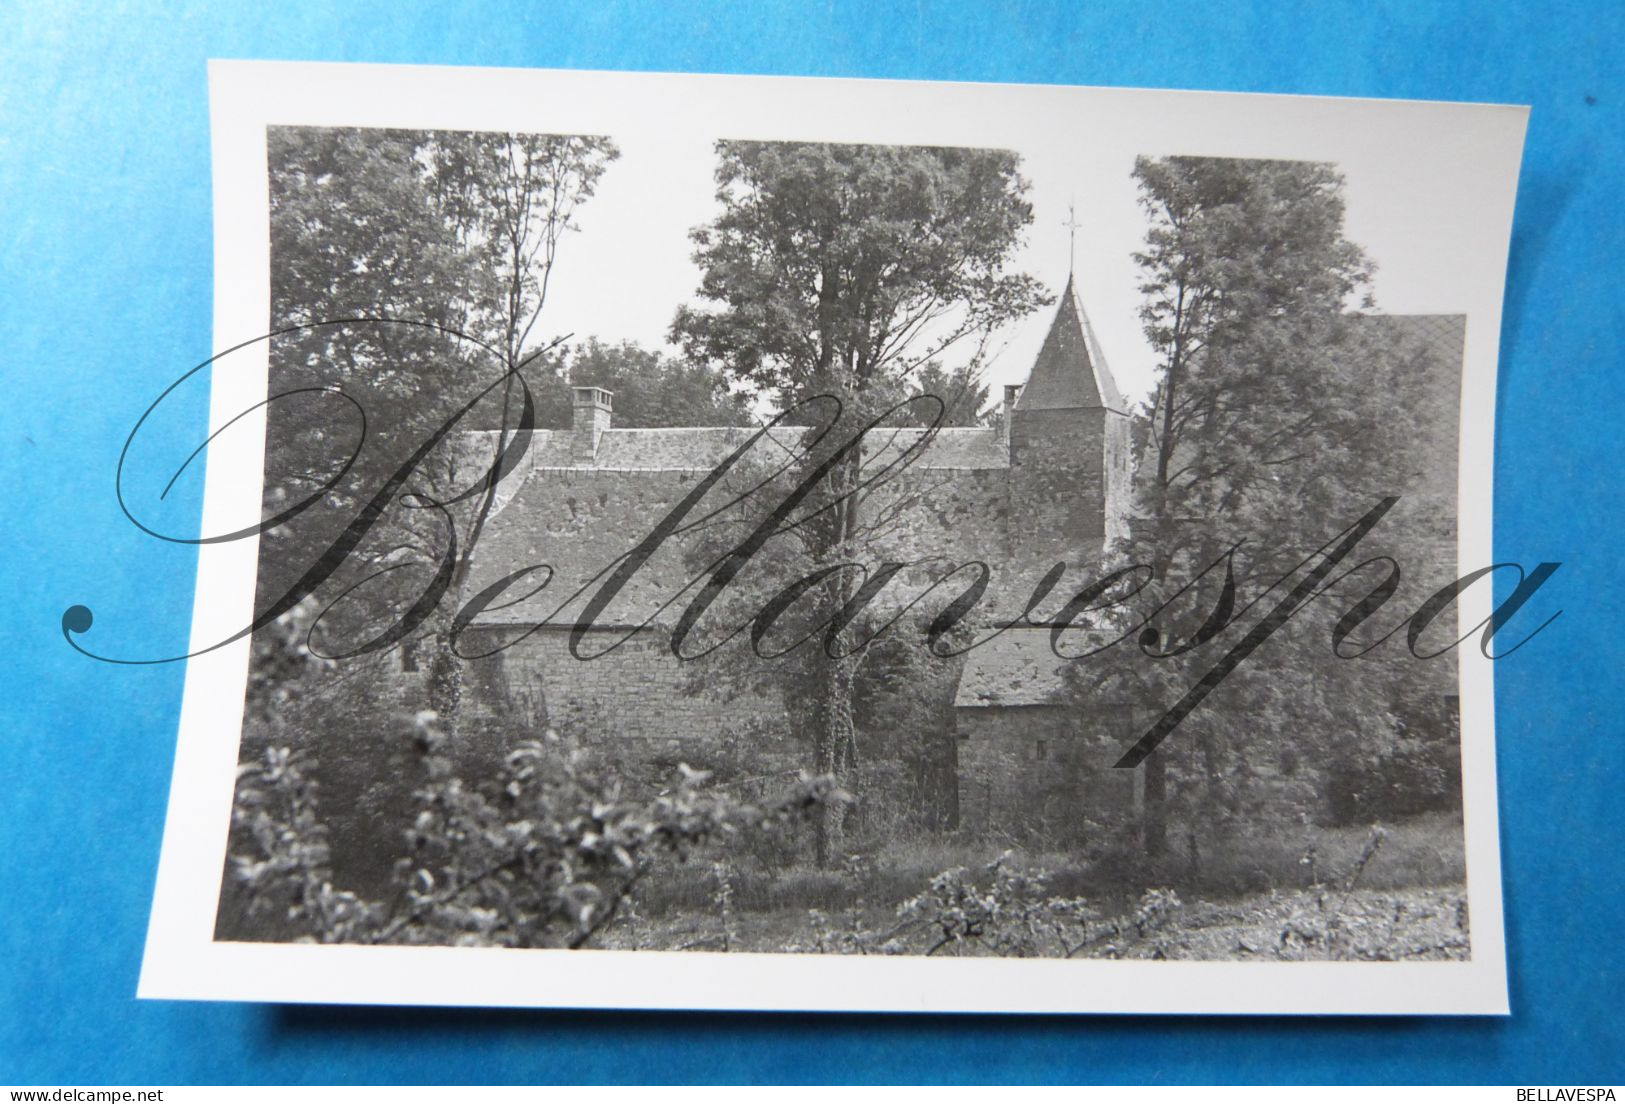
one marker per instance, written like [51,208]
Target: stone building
[1048,483]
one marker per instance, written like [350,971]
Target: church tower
[1068,438]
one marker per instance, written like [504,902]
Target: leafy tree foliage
[410,272]
[1277,420]
[962,391]
[1247,281]
[547,857]
[843,269]
[834,275]
[651,389]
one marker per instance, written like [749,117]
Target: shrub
[1416,770]
[549,861]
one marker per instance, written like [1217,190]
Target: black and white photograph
[708,539]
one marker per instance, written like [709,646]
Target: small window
[1042,750]
[1289,761]
[409,656]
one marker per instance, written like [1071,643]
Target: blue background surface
[105,298]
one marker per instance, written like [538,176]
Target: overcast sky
[625,273]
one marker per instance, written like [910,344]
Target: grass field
[1323,894]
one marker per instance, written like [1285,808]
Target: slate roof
[702,449]
[950,449]
[581,516]
[1071,371]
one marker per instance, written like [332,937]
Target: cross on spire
[1071,225]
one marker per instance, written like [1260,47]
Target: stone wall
[1118,462]
[637,698]
[1057,481]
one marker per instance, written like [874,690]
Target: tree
[833,275]
[410,271]
[963,393]
[356,234]
[1247,281]
[513,198]
[1265,423]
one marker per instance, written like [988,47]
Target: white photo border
[184,961]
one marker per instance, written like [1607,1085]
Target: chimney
[589,417]
[1011,390]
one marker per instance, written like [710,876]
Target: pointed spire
[1070,372]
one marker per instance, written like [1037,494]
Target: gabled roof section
[1070,372]
[582,518]
[1015,668]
